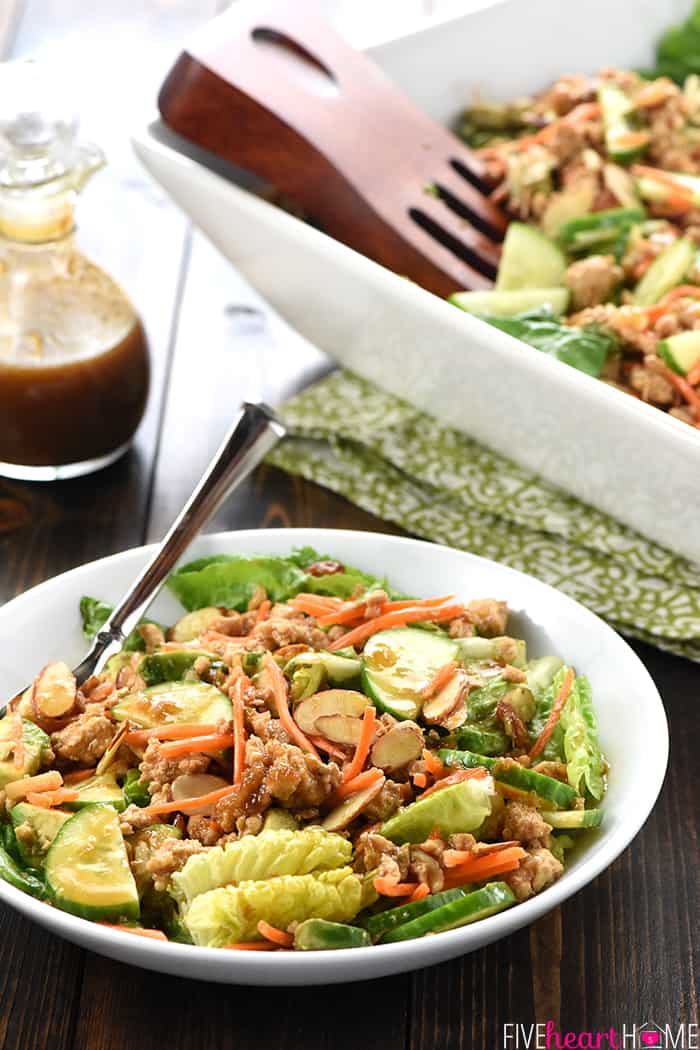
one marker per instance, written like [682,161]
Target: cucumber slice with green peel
[667,270]
[623,141]
[103,788]
[460,807]
[398,664]
[173,666]
[479,904]
[385,921]
[571,820]
[174,702]
[542,672]
[588,232]
[509,304]
[514,775]
[661,190]
[34,743]
[529,260]
[87,867]
[681,352]
[35,830]
[320,934]
[340,670]
[502,648]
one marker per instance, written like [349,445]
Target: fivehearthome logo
[643,1036]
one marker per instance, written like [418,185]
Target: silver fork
[252,434]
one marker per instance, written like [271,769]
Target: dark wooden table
[623,951]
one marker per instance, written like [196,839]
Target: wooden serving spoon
[272,88]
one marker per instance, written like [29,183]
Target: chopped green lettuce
[584,348]
[95,613]
[585,764]
[554,748]
[255,857]
[230,580]
[678,50]
[231,914]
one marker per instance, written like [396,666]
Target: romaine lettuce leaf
[554,748]
[94,614]
[263,856]
[585,764]
[584,348]
[231,914]
[230,580]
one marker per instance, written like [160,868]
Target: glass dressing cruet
[74,365]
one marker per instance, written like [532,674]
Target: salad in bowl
[304,760]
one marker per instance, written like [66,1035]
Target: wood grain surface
[625,950]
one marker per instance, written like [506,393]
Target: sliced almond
[194,624]
[351,807]
[401,745]
[192,785]
[329,702]
[445,702]
[341,729]
[54,691]
[457,718]
[111,752]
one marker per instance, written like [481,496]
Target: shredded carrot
[252,946]
[239,688]
[186,804]
[422,890]
[420,780]
[478,773]
[78,775]
[681,291]
[642,267]
[356,610]
[684,389]
[440,679]
[584,111]
[350,787]
[139,931]
[480,868]
[204,744]
[316,605]
[433,764]
[388,887]
[632,139]
[48,799]
[454,858]
[279,937]
[278,685]
[17,789]
[369,721]
[693,376]
[398,618]
[263,610]
[557,708]
[662,177]
[329,747]
[173,731]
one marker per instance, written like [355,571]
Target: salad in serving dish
[304,760]
[600,265]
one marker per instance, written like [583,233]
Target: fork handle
[251,436]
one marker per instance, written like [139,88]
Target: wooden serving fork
[272,88]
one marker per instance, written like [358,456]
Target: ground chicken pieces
[388,801]
[275,771]
[84,740]
[524,823]
[537,871]
[169,858]
[489,616]
[158,772]
[592,280]
[279,631]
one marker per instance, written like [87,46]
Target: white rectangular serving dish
[603,446]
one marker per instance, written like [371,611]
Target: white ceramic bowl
[601,445]
[43,624]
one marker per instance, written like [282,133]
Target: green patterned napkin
[402,465]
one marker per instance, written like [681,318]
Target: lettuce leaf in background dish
[230,579]
[94,613]
[678,50]
[586,348]
[585,764]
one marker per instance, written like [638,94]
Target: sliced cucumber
[340,670]
[541,672]
[681,352]
[35,830]
[623,141]
[514,775]
[143,844]
[103,788]
[508,304]
[529,260]
[510,650]
[87,868]
[280,820]
[385,921]
[460,807]
[602,228]
[659,191]
[398,664]
[172,666]
[479,904]
[572,819]
[174,702]
[320,934]
[667,270]
[34,743]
